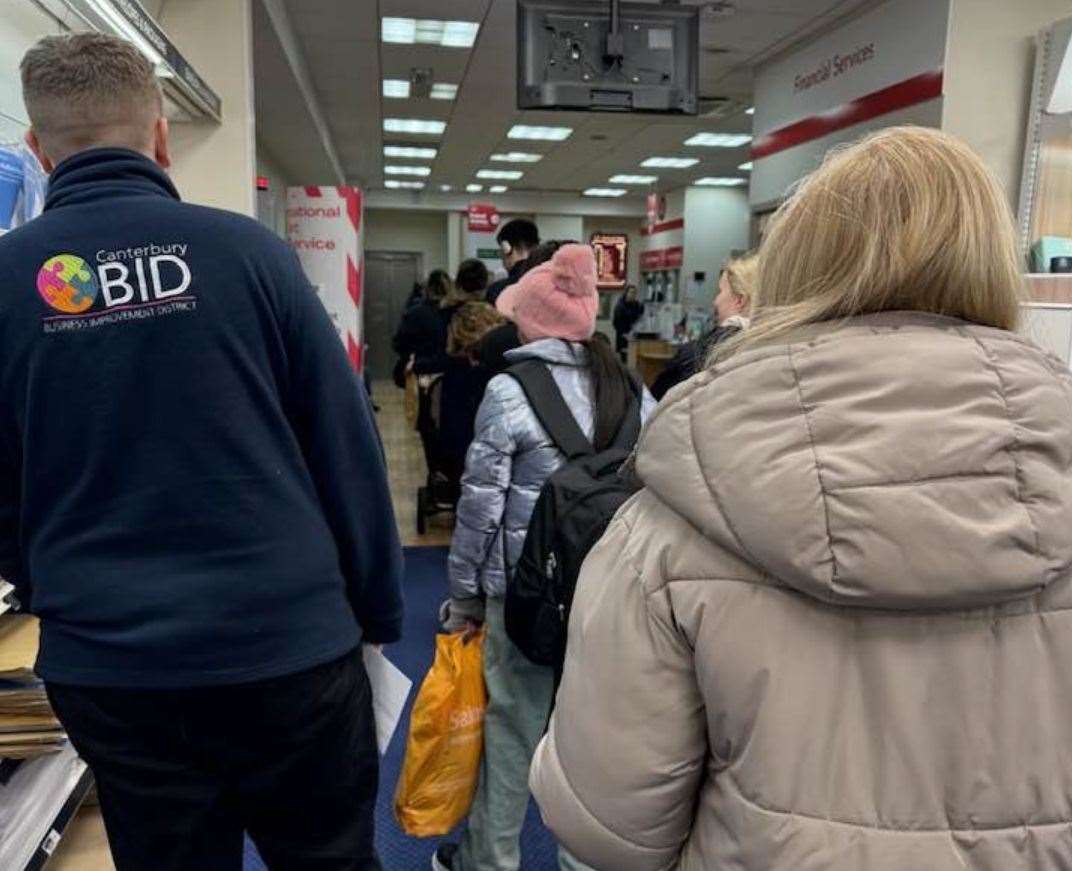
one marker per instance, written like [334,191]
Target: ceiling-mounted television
[607,56]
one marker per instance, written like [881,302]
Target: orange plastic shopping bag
[446,740]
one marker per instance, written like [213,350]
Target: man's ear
[34,145]
[162,143]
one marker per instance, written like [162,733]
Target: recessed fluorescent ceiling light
[399,89]
[747,167]
[414,125]
[507,174]
[409,151]
[634,179]
[719,140]
[670,162]
[605,192]
[517,157]
[474,188]
[408,170]
[395,184]
[498,189]
[446,188]
[751,110]
[720,182]
[429,31]
[553,134]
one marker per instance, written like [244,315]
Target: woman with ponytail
[554,308]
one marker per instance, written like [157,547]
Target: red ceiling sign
[656,208]
[263,183]
[483,218]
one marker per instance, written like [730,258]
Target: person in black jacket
[731,306]
[517,240]
[627,311]
[422,333]
[193,496]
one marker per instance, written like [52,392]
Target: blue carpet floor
[426,587]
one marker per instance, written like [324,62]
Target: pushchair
[442,488]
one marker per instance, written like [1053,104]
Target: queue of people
[826,632]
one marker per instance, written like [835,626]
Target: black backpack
[574,508]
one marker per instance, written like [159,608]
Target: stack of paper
[6,591]
[28,727]
[31,801]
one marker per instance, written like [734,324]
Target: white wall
[717,224]
[21,25]
[405,230]
[272,203]
[215,164]
[560,226]
[989,63]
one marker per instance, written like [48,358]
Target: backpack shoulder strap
[550,408]
[629,432]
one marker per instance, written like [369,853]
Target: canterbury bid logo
[122,285]
[67,284]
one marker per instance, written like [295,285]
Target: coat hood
[558,352]
[895,461]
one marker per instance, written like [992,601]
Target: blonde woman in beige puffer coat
[834,630]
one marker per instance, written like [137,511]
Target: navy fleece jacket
[192,487]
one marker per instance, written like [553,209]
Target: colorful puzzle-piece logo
[67,284]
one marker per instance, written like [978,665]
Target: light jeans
[519,704]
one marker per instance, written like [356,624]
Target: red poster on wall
[483,218]
[612,260]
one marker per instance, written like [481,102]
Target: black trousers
[183,773]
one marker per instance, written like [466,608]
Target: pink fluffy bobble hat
[557,299]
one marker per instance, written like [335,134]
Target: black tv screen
[565,60]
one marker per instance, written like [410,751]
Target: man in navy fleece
[192,495]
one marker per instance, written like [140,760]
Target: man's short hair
[85,90]
[472,276]
[519,233]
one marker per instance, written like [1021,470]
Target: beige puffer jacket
[834,632]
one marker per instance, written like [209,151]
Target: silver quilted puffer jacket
[509,461]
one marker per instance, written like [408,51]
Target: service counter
[649,357]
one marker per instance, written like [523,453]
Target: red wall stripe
[917,89]
[662,258]
[672,224]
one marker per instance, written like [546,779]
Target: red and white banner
[483,218]
[324,224]
[882,68]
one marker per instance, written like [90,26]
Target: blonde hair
[741,273]
[83,90]
[906,219]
